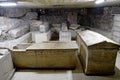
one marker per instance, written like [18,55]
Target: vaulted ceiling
[57,2]
[64,3]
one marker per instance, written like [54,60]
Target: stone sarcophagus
[46,55]
[97,53]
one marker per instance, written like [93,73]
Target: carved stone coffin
[46,55]
[96,52]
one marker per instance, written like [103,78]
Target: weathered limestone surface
[15,12]
[6,64]
[31,16]
[34,25]
[116,28]
[12,28]
[97,53]
[8,23]
[46,55]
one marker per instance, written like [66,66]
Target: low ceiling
[64,3]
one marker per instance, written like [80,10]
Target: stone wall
[58,15]
[100,18]
[116,28]
[102,21]
[21,13]
[108,23]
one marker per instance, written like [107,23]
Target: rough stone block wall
[108,22]
[102,21]
[12,18]
[19,13]
[55,15]
[116,28]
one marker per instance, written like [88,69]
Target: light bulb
[99,1]
[7,4]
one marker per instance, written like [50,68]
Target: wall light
[99,1]
[7,4]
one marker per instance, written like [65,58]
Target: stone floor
[65,75]
[82,76]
